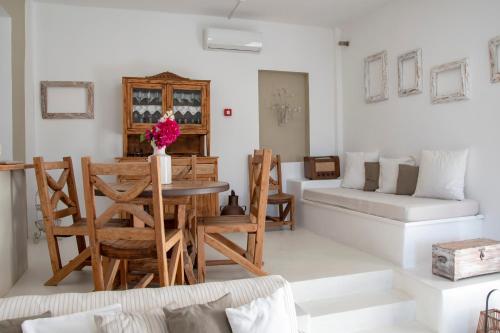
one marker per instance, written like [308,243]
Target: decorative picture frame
[494,46]
[463,87]
[383,92]
[88,86]
[411,56]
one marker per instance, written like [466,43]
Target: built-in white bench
[398,228]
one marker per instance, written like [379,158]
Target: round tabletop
[179,188]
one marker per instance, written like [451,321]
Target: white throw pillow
[389,170]
[152,321]
[81,322]
[442,175]
[263,315]
[354,169]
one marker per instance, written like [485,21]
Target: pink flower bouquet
[164,133]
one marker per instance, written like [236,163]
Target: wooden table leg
[180,215]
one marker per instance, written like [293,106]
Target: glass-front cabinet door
[147,104]
[188,104]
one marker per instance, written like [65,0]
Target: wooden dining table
[177,194]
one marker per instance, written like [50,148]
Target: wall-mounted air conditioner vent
[232,40]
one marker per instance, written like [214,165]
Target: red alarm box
[228,112]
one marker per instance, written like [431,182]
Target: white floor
[336,288]
[297,255]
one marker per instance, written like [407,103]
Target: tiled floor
[297,255]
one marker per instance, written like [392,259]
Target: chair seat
[228,223]
[128,249]
[133,249]
[79,228]
[279,198]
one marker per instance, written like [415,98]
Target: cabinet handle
[481,254]
[442,259]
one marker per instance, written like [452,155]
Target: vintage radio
[323,167]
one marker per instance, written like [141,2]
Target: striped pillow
[152,321]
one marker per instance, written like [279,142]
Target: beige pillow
[372,172]
[200,318]
[14,325]
[407,179]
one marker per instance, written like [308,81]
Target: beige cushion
[391,206]
[372,173]
[200,318]
[14,325]
[407,179]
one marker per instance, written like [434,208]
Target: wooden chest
[460,260]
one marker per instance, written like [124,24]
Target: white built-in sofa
[142,300]
[398,228]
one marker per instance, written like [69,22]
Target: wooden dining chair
[125,246]
[54,193]
[284,201]
[210,229]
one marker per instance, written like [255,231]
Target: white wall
[102,45]
[5,85]
[446,30]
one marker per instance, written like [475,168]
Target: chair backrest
[275,184]
[259,169]
[126,199]
[184,168]
[52,191]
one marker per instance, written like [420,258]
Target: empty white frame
[495,59]
[410,73]
[450,82]
[376,85]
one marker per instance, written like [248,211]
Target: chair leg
[250,247]
[292,214]
[55,257]
[97,269]
[81,243]
[123,274]
[201,254]
[259,248]
[161,253]
[179,276]
[111,272]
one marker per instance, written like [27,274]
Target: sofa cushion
[14,325]
[391,206]
[200,318]
[372,173]
[152,321]
[407,179]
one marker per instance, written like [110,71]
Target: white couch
[138,300]
[397,228]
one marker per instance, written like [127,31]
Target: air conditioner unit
[232,40]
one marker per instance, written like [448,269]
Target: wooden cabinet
[146,99]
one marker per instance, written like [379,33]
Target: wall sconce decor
[282,105]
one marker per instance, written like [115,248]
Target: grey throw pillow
[407,179]
[14,325]
[200,318]
[372,173]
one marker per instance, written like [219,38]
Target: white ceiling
[328,13]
